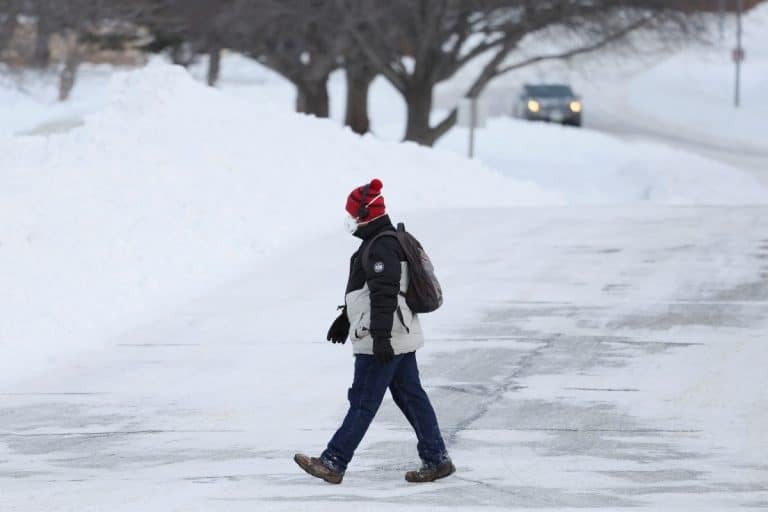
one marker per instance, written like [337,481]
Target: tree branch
[398,80]
[443,126]
[576,51]
[491,70]
[431,33]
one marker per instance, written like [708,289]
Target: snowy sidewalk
[597,357]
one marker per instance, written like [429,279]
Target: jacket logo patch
[378,267]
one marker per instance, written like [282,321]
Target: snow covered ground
[151,202]
[28,99]
[583,166]
[173,187]
[557,385]
[174,253]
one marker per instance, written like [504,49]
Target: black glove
[339,328]
[382,350]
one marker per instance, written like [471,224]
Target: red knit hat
[374,201]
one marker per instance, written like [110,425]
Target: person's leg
[410,396]
[365,396]
[402,404]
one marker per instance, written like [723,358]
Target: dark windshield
[548,91]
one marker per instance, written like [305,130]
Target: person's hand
[382,350]
[339,328]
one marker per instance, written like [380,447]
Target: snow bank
[175,187]
[589,167]
[583,166]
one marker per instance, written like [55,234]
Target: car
[554,103]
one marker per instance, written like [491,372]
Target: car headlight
[575,106]
[533,105]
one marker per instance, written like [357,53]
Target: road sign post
[472,123]
[738,55]
[471,115]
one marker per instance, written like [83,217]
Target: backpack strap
[367,251]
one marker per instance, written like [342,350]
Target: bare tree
[10,10]
[296,38]
[299,39]
[70,20]
[359,74]
[293,37]
[9,17]
[76,23]
[188,27]
[416,44]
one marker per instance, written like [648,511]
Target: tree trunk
[176,54]
[418,99]
[359,78]
[179,55]
[214,64]
[41,55]
[69,73]
[312,97]
[72,58]
[8,28]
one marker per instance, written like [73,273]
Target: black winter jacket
[382,275]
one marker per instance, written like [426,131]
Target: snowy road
[624,122]
[598,357]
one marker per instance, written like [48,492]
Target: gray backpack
[424,293]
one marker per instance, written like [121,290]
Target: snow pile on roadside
[175,187]
[589,167]
[584,167]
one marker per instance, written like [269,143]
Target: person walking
[385,335]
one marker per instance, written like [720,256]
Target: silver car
[554,103]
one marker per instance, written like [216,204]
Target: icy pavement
[602,357]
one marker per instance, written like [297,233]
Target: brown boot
[430,474]
[316,468]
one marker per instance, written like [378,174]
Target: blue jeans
[370,384]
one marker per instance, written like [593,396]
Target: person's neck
[373,228]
